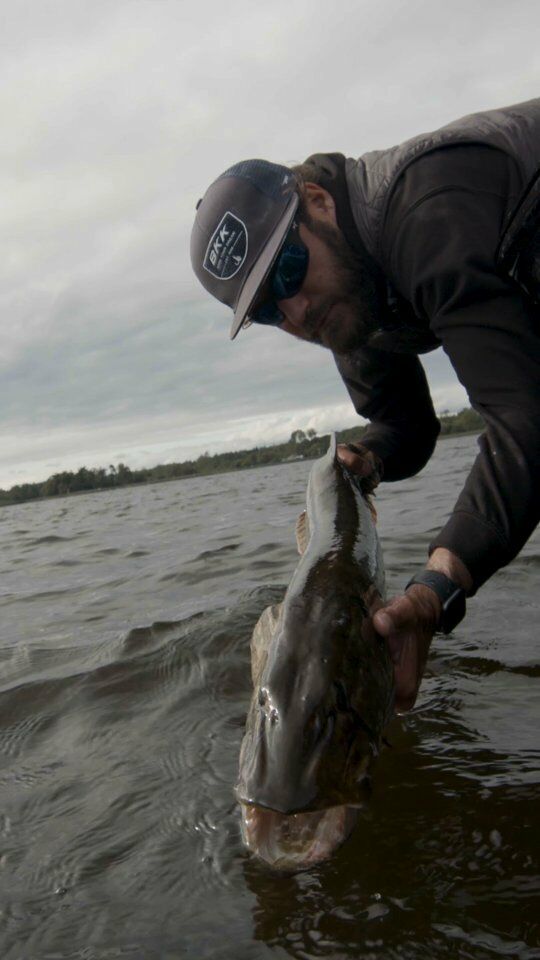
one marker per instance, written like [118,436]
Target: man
[436,241]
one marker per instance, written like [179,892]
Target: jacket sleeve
[391,391]
[444,261]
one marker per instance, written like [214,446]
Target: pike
[323,682]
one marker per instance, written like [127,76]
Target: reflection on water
[125,624]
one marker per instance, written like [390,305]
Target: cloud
[117,116]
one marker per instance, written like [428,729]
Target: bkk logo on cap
[227,249]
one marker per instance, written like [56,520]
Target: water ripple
[124,686]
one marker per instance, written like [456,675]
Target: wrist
[450,594]
[443,561]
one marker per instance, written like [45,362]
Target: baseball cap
[240,226]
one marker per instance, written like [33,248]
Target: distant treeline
[299,446]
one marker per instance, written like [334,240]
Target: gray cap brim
[262,267]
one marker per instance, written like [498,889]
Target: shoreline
[268,461]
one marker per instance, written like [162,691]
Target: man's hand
[409,622]
[363,462]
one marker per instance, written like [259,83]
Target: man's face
[336,305]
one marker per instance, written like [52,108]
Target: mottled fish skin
[323,682]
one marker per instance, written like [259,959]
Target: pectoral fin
[302,532]
[260,639]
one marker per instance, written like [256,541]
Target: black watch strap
[452,597]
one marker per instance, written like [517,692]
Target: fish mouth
[285,804]
[297,841]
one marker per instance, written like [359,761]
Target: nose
[294,310]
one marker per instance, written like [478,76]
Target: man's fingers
[418,608]
[361,465]
[407,624]
[395,623]
[396,616]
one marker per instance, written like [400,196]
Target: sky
[116,115]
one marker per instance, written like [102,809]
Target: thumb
[357,462]
[396,615]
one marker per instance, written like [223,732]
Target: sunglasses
[284,281]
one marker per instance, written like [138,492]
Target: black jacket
[431,214]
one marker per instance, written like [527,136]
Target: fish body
[323,682]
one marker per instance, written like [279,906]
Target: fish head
[317,715]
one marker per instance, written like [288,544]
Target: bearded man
[433,242]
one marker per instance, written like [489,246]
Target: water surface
[125,619]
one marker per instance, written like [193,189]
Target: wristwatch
[451,596]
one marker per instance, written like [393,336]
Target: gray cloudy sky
[115,117]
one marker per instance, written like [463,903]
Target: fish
[323,687]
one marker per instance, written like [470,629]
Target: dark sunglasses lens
[267,312]
[290,271]
[285,280]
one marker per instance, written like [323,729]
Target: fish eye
[315,723]
[342,700]
[321,725]
[330,724]
[313,729]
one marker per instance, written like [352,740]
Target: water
[125,619]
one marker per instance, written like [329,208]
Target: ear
[319,203]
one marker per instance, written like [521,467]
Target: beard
[343,322]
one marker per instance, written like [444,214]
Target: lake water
[125,619]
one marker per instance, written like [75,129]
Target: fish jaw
[297,841]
